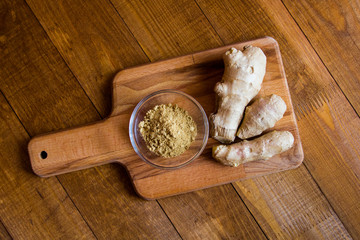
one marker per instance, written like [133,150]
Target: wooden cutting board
[108,140]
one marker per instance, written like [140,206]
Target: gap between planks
[102,117]
[27,132]
[262,230]
[222,41]
[323,99]
[92,231]
[62,57]
[298,114]
[6,234]
[132,34]
[150,61]
[169,219]
[323,63]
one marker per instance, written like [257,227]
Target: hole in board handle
[43,155]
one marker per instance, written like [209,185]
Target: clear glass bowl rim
[132,123]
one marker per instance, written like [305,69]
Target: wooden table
[58,59]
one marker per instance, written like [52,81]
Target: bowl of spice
[168,129]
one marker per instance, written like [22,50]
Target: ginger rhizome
[261,115]
[241,82]
[261,148]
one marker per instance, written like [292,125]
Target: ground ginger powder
[168,130]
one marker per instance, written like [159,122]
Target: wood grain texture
[148,27]
[166,29]
[108,140]
[312,88]
[23,60]
[31,208]
[286,204]
[340,182]
[338,23]
[93,41]
[111,207]
[4,234]
[290,208]
[192,46]
[333,27]
[46,96]
[210,220]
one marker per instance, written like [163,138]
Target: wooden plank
[133,25]
[64,27]
[195,217]
[329,145]
[167,29]
[46,96]
[287,207]
[31,208]
[4,234]
[61,26]
[109,204]
[333,27]
[95,45]
[22,60]
[338,175]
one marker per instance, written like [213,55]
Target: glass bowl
[187,103]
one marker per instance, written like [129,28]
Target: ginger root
[261,115]
[241,82]
[261,148]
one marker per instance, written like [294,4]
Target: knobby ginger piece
[241,82]
[261,148]
[261,115]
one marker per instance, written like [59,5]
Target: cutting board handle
[83,147]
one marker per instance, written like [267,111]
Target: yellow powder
[168,130]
